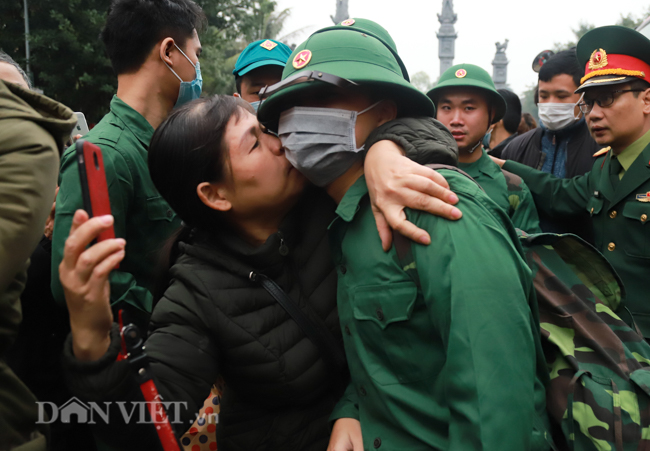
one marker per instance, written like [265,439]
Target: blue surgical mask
[255,105]
[487,138]
[189,90]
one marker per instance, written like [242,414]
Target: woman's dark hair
[188,149]
[133,27]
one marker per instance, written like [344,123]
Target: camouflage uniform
[600,367]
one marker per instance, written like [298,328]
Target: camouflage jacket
[599,364]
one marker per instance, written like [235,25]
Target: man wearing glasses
[616,193]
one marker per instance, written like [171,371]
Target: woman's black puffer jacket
[213,320]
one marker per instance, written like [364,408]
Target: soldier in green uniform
[467,103]
[153,76]
[444,351]
[259,64]
[616,193]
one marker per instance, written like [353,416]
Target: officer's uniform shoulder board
[602,151]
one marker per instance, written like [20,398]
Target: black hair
[512,118]
[188,149]
[133,27]
[4,58]
[238,79]
[564,62]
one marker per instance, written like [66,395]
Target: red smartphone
[94,189]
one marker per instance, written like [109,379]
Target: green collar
[483,165]
[630,154]
[350,203]
[134,121]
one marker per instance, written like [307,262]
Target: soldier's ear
[645,96]
[387,111]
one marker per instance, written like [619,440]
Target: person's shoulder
[519,143]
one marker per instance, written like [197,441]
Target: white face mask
[556,116]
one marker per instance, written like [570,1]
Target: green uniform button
[170,213]
[611,246]
[380,314]
[347,330]
[613,214]
[362,391]
[644,217]
[343,269]
[377,442]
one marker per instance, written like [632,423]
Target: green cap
[613,55]
[348,54]
[376,31]
[265,52]
[469,75]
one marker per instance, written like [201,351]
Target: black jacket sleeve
[183,359]
[424,139]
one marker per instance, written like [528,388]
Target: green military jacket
[619,216]
[142,217]
[508,190]
[451,363]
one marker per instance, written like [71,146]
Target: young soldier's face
[621,123]
[253,81]
[466,114]
[353,100]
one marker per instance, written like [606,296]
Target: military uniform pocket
[393,332]
[159,210]
[637,235]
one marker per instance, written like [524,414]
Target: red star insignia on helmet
[268,45]
[461,73]
[302,59]
[347,22]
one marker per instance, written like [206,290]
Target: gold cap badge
[347,22]
[302,59]
[268,45]
[461,73]
[598,59]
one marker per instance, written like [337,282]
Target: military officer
[467,103]
[616,193]
[421,354]
[259,64]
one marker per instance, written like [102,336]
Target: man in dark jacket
[32,131]
[562,146]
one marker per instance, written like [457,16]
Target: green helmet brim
[379,81]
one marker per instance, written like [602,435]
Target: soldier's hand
[346,435]
[395,182]
[84,277]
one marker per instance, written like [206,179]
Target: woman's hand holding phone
[84,276]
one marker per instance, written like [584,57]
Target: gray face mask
[320,142]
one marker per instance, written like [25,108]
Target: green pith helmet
[376,31]
[349,58]
[612,55]
[469,75]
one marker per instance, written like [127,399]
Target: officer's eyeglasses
[604,100]
[307,76]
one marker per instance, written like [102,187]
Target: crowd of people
[329,259]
